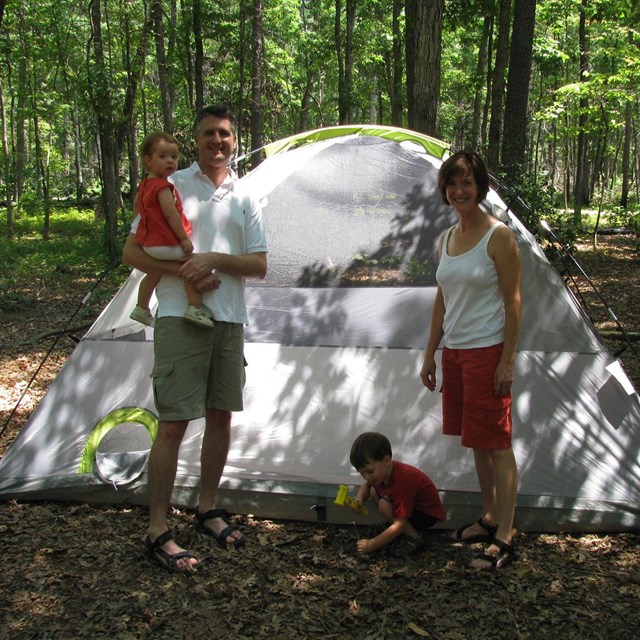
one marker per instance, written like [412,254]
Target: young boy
[405,496]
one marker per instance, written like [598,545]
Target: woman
[477,312]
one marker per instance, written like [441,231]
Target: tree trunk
[7,167]
[77,160]
[498,84]
[256,84]
[127,117]
[199,58]
[475,137]
[345,58]
[21,114]
[396,65]
[516,111]
[164,72]
[410,9]
[245,12]
[428,57]
[580,185]
[186,51]
[44,174]
[626,147]
[101,97]
[305,102]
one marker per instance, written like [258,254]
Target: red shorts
[470,407]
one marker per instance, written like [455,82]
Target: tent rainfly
[334,348]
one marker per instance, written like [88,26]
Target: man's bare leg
[163,464]
[213,457]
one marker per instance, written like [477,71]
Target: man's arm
[252,265]
[135,256]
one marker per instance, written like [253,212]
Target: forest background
[547,90]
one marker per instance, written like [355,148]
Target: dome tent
[334,347]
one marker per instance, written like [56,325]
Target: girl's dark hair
[458,164]
[220,111]
[369,447]
[146,146]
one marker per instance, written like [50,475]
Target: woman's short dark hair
[458,164]
[220,111]
[369,447]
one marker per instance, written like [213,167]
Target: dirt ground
[76,571]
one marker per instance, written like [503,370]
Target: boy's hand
[356,505]
[364,546]
[187,245]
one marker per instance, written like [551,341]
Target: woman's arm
[428,371]
[504,251]
[436,332]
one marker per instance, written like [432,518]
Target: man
[200,372]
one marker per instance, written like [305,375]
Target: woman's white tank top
[474,307]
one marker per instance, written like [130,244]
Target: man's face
[216,142]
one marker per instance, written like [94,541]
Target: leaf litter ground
[74,571]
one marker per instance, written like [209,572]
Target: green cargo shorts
[196,369]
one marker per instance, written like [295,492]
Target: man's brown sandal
[169,561]
[220,538]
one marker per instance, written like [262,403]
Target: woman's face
[462,191]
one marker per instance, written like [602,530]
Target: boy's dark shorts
[421,521]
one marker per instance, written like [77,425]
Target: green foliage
[623,218]
[563,231]
[529,196]
[49,71]
[75,243]
[420,273]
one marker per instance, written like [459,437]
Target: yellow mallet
[343,499]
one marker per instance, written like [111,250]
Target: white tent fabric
[334,349]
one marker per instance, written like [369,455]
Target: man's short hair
[220,111]
[369,447]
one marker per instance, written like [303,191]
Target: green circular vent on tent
[114,418]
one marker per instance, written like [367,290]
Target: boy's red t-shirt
[409,489]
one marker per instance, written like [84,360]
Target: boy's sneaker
[142,315]
[198,317]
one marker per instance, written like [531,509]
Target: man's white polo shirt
[226,220]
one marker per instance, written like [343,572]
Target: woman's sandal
[220,538]
[169,561]
[479,537]
[503,558]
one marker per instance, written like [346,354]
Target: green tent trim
[431,145]
[112,419]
